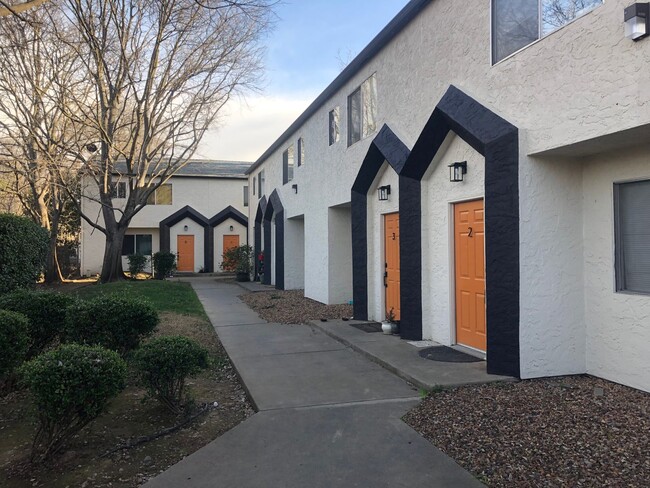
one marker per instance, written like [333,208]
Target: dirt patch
[291,307]
[573,431]
[128,416]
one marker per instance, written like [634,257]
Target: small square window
[118,189]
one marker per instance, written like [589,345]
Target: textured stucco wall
[438,197]
[224,229]
[339,255]
[294,238]
[618,324]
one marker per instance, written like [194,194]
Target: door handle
[385,279]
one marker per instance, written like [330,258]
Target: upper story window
[362,111]
[254,185]
[632,231]
[334,131]
[301,151]
[161,196]
[118,190]
[246,195]
[260,182]
[517,23]
[287,165]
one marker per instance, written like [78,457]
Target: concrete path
[327,416]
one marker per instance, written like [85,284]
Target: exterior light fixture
[231,228]
[457,170]
[295,188]
[185,228]
[637,21]
[384,191]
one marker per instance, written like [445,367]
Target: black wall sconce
[384,191]
[186,228]
[637,21]
[231,228]
[295,188]
[457,170]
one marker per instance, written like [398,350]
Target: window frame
[300,151]
[118,190]
[154,195]
[365,128]
[134,243]
[246,196]
[288,164]
[334,117]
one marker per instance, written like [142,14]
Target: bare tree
[159,72]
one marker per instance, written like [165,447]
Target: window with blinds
[632,229]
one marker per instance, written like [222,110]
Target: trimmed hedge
[115,322]
[14,340]
[165,363]
[71,386]
[45,311]
[23,250]
[137,264]
[164,264]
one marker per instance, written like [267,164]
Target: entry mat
[446,354]
[368,327]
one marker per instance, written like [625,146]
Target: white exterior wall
[581,82]
[340,254]
[618,324]
[207,196]
[223,229]
[294,257]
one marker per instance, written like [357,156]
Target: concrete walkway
[327,416]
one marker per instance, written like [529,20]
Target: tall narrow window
[334,131]
[362,111]
[287,165]
[632,230]
[245,196]
[301,151]
[260,182]
[254,185]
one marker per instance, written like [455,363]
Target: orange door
[185,246]
[391,271]
[228,243]
[469,237]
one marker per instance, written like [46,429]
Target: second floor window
[260,182]
[118,190]
[301,151]
[246,196]
[254,185]
[334,133]
[162,195]
[287,165]
[362,111]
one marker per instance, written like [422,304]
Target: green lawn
[165,296]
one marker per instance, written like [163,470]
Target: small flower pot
[386,328]
[242,277]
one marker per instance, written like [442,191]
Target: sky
[311,43]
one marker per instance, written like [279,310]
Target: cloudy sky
[311,43]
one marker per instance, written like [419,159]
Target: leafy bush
[71,386]
[45,311]
[239,259]
[137,263]
[23,249]
[164,264]
[115,322]
[14,340]
[163,365]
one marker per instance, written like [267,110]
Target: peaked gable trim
[275,208]
[190,213]
[229,212]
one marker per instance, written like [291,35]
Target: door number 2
[470,234]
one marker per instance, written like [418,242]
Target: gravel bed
[291,307]
[575,431]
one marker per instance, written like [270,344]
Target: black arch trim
[498,141]
[274,207]
[229,212]
[175,218]
[257,232]
[386,146]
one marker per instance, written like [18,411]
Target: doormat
[368,327]
[446,354]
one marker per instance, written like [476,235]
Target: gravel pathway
[291,307]
[573,431]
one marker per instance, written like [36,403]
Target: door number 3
[468,235]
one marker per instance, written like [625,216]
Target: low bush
[14,340]
[70,386]
[23,249]
[137,264]
[115,322]
[165,363]
[45,311]
[239,259]
[164,264]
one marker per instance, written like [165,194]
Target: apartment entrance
[391,264]
[185,248]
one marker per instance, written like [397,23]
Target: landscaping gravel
[291,307]
[573,431]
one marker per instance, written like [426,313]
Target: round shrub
[137,264]
[163,365]
[115,322]
[45,311]
[14,340]
[164,264]
[71,386]
[23,249]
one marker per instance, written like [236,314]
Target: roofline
[394,27]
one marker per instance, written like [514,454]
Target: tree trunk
[52,268]
[112,265]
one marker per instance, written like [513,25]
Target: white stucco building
[197,212]
[540,256]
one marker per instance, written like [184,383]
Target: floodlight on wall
[186,228]
[457,170]
[295,188]
[637,21]
[231,228]
[383,191]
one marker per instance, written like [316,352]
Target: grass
[165,296]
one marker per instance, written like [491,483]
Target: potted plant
[388,324]
[239,259]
